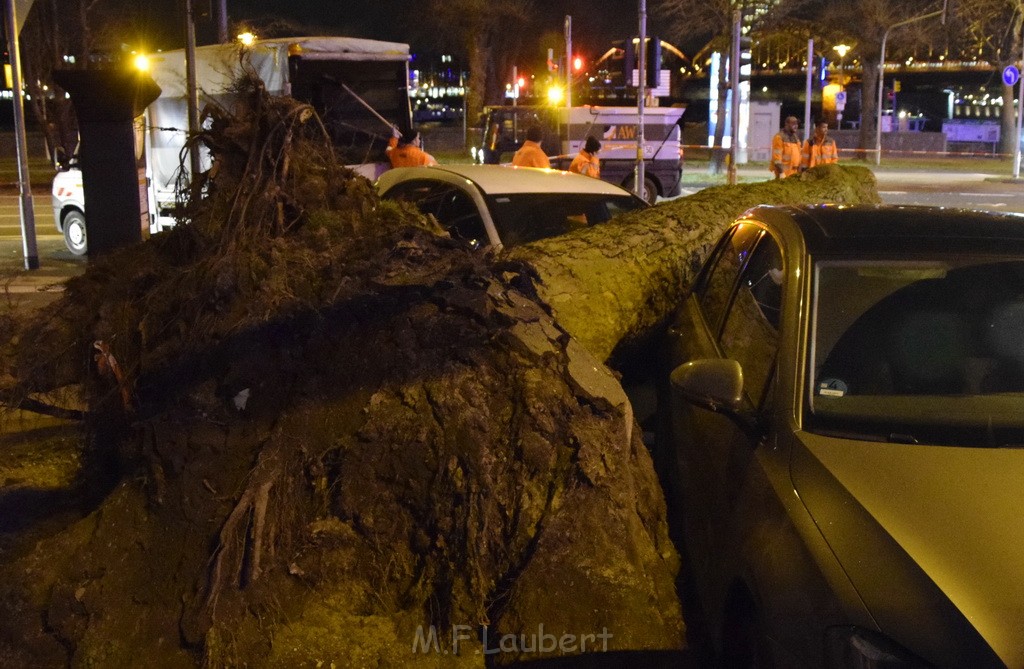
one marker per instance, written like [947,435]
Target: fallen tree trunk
[610,284]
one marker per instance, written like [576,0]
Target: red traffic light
[577,64]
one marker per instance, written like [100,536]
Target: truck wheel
[650,192]
[74,232]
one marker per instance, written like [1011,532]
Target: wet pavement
[30,289]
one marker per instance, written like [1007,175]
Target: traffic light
[746,43]
[653,62]
[577,63]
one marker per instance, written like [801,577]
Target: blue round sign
[1011,75]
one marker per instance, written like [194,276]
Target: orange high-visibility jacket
[820,154]
[786,154]
[408,155]
[586,164]
[531,155]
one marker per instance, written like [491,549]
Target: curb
[14,188]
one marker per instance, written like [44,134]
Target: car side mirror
[716,384]
[711,383]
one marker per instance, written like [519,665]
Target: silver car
[493,205]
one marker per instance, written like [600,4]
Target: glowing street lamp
[247,39]
[141,62]
[556,94]
[842,50]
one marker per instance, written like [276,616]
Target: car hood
[925,531]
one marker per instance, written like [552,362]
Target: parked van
[566,131]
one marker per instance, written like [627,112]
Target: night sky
[595,24]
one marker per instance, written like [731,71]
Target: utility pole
[568,61]
[222,21]
[734,98]
[1020,117]
[641,95]
[192,86]
[809,92]
[28,216]
[881,76]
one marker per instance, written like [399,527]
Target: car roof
[504,179]
[831,229]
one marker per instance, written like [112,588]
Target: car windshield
[928,351]
[527,217]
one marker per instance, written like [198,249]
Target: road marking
[989,194]
[892,192]
[50,288]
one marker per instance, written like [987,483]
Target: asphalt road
[10,216]
[970,191]
[917,187]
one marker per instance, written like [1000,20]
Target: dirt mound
[339,437]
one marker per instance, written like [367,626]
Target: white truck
[359,87]
[567,128]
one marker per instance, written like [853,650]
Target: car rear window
[527,217]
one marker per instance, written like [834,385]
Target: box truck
[359,88]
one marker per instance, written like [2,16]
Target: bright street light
[247,39]
[141,62]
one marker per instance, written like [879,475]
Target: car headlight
[858,648]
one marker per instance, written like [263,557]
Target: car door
[734,312]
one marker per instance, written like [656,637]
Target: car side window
[716,288]
[461,218]
[751,331]
[453,208]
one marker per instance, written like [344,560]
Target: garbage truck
[566,130]
[359,87]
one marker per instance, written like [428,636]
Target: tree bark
[869,107]
[611,284]
[1008,122]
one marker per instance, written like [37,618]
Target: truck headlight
[858,648]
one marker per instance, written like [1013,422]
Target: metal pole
[192,86]
[878,112]
[515,91]
[222,21]
[881,78]
[1020,117]
[809,92]
[28,216]
[568,61]
[641,95]
[734,95]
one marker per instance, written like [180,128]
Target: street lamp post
[881,77]
[842,50]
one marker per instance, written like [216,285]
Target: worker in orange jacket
[820,149]
[405,151]
[787,152]
[530,154]
[586,161]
